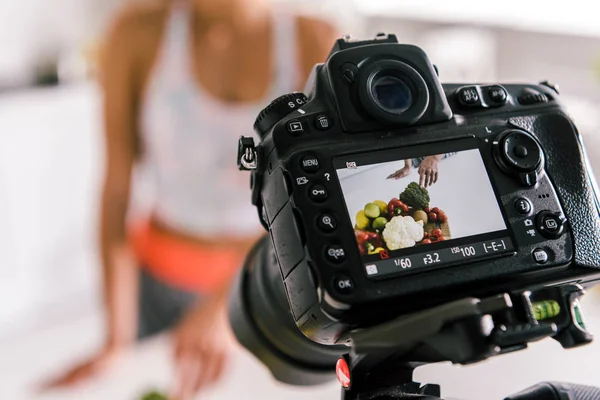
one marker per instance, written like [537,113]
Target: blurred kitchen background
[51,153]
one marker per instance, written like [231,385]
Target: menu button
[310,164]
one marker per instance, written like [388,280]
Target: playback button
[295,127]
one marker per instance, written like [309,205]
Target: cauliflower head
[402,232]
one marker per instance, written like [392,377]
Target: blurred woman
[182,81]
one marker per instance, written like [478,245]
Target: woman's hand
[86,370]
[201,344]
[401,173]
[428,171]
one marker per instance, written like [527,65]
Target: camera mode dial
[279,108]
[519,154]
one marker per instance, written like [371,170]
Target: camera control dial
[279,108]
[518,153]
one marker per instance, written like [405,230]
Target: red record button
[342,372]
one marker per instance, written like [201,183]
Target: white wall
[50,164]
[31,30]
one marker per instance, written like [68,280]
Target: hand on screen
[401,173]
[428,171]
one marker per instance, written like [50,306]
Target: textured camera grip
[582,392]
[568,167]
[558,391]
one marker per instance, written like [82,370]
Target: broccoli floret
[415,196]
[154,396]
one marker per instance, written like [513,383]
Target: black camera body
[521,205]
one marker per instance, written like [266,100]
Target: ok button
[343,284]
[318,193]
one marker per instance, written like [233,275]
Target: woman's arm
[121,79]
[119,270]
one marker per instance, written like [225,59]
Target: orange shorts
[181,264]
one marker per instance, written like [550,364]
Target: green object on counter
[154,396]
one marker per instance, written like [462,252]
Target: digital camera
[385,192]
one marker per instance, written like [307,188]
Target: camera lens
[391,94]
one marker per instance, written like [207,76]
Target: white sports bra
[189,138]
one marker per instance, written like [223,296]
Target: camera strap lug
[247,154]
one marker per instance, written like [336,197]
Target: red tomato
[361,237]
[442,217]
[437,232]
[427,210]
[435,210]
[425,235]
[426,241]
[404,207]
[432,217]
[374,239]
[371,235]
[441,239]
[362,250]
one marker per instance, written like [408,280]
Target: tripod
[464,332]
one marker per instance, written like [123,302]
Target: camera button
[530,96]
[295,127]
[310,164]
[335,253]
[349,72]
[550,225]
[521,151]
[318,193]
[540,256]
[343,284]
[468,95]
[327,223]
[523,206]
[498,94]
[323,122]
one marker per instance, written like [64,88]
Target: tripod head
[377,362]
[463,332]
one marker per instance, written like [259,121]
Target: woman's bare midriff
[217,242]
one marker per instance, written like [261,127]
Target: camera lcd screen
[421,208]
